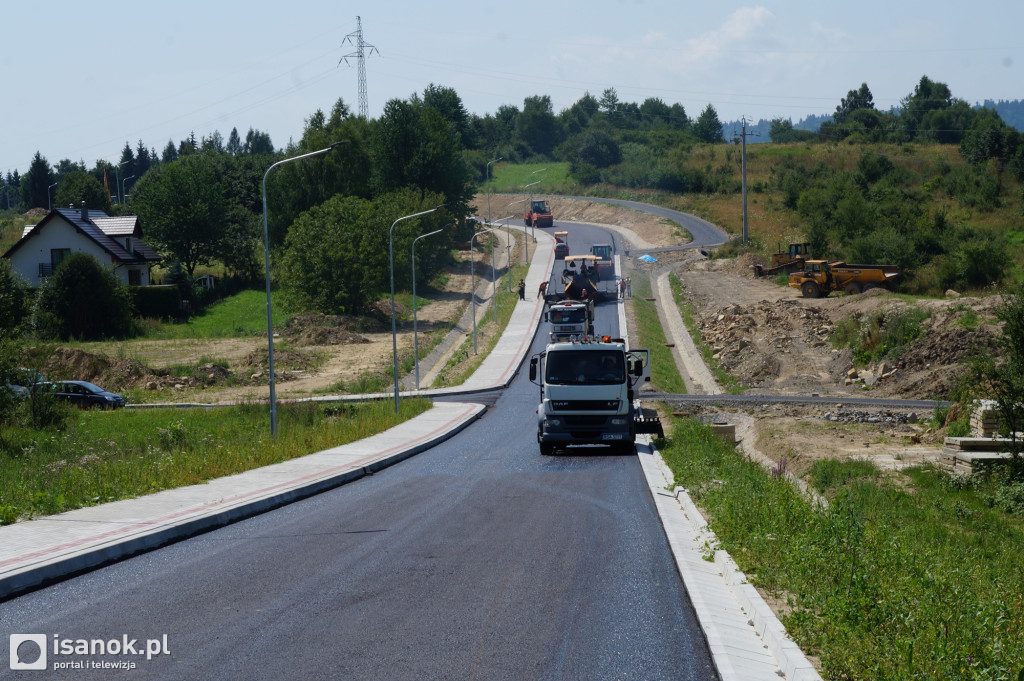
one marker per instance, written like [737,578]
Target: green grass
[243,314]
[880,335]
[649,334]
[729,382]
[916,580]
[510,179]
[105,456]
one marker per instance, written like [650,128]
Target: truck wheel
[546,449]
[852,289]
[868,287]
[810,290]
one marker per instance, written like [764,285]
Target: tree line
[200,202]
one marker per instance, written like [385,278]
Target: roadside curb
[746,639]
[181,514]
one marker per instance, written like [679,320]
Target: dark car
[561,250]
[84,394]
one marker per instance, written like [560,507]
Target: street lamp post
[117,182]
[123,182]
[415,345]
[49,203]
[489,188]
[266,259]
[472,279]
[394,328]
[533,225]
[508,240]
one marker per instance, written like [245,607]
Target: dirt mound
[39,213]
[62,363]
[751,341]
[312,328]
[744,264]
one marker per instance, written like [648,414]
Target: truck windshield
[568,316]
[603,251]
[581,367]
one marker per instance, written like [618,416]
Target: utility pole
[360,56]
[743,167]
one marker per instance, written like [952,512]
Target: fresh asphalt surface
[476,559]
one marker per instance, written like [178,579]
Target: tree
[414,146]
[82,300]
[782,132]
[577,117]
[988,137]
[854,100]
[170,153]
[707,127]
[537,125]
[80,186]
[185,209]
[257,142]
[143,160]
[655,113]
[234,146]
[35,185]
[999,374]
[13,298]
[448,103]
[127,167]
[336,257]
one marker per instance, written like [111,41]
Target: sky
[79,80]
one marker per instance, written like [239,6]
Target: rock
[852,373]
[950,293]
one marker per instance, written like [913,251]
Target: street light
[489,188]
[266,259]
[533,226]
[394,328]
[415,345]
[49,203]
[472,279]
[508,240]
[123,196]
[117,174]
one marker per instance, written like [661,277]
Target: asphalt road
[479,559]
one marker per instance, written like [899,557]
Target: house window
[58,255]
[134,278]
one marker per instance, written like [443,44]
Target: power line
[360,55]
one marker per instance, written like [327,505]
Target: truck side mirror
[533,368]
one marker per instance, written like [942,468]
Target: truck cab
[586,392]
[571,318]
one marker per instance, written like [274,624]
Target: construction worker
[622,289]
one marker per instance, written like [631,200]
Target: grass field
[102,456]
[917,578]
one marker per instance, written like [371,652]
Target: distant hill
[1012,113]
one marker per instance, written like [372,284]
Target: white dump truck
[587,396]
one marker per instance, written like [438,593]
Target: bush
[82,300]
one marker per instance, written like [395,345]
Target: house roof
[101,228]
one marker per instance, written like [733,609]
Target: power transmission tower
[360,55]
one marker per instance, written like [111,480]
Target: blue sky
[81,79]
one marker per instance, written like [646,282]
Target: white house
[113,241]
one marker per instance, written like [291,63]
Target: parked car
[84,394]
[22,381]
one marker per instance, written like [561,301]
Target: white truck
[570,319]
[587,397]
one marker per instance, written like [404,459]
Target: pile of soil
[313,328]
[63,363]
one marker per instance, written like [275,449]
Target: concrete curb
[182,515]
